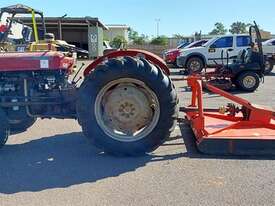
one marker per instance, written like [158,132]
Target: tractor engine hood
[35,61]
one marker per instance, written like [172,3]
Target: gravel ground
[51,164]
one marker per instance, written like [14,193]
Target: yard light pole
[157,21]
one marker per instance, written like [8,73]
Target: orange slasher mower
[236,129]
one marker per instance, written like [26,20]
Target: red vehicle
[170,56]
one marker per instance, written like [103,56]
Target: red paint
[170,56]
[3,28]
[259,123]
[31,61]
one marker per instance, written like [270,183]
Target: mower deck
[245,133]
[233,136]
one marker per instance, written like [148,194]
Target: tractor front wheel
[127,107]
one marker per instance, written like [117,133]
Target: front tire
[248,81]
[268,67]
[127,107]
[194,65]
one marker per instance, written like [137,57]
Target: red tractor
[126,105]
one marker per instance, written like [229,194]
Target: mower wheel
[4,128]
[194,65]
[127,106]
[268,67]
[248,81]
[22,125]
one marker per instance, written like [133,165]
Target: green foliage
[197,36]
[142,39]
[118,41]
[219,29]
[132,34]
[178,36]
[238,28]
[161,40]
[136,38]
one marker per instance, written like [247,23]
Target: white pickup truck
[269,52]
[210,54]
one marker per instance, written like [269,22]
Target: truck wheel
[22,125]
[268,67]
[248,81]
[194,65]
[4,128]
[127,107]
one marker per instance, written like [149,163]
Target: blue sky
[177,16]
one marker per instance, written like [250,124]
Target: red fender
[156,60]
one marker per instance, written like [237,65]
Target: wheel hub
[249,82]
[195,66]
[127,108]
[127,111]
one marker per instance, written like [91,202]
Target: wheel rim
[195,66]
[127,110]
[249,82]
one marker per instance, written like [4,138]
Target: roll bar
[22,9]
[259,43]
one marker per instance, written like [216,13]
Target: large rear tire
[127,107]
[21,125]
[4,128]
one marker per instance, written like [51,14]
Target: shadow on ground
[61,161]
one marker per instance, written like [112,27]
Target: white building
[115,30]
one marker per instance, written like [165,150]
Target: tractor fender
[154,59]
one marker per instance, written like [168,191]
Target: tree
[238,28]
[161,40]
[132,34]
[136,38]
[219,29]
[118,41]
[197,36]
[178,36]
[142,39]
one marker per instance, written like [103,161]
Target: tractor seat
[241,56]
[252,57]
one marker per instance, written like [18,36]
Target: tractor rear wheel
[21,125]
[127,107]
[4,128]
